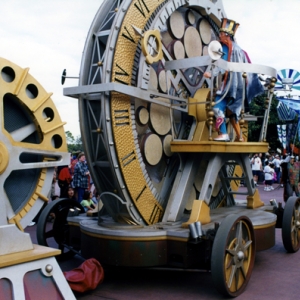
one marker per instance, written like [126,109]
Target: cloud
[48,36]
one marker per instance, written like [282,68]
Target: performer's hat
[229,26]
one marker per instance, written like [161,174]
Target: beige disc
[143,115]
[177,24]
[162,81]
[205,50]
[167,145]
[205,31]
[153,149]
[178,50]
[160,118]
[191,17]
[153,82]
[141,129]
[192,42]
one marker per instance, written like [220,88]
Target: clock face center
[4,157]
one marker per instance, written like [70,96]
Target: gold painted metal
[200,212]
[38,252]
[219,147]
[4,158]
[150,57]
[139,190]
[199,110]
[50,128]
[254,201]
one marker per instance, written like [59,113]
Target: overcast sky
[49,35]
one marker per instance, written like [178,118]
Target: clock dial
[126,138]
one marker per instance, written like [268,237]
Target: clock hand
[92,92]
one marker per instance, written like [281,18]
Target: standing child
[268,176]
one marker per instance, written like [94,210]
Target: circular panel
[191,17]
[192,42]
[205,31]
[142,115]
[178,50]
[205,50]
[167,145]
[153,149]
[153,82]
[162,81]
[160,118]
[177,25]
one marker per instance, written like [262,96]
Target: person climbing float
[231,103]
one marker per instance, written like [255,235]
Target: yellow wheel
[233,255]
[291,225]
[32,143]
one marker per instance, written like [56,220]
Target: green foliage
[74,144]
[257,108]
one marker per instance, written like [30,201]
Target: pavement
[275,275]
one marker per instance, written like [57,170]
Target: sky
[48,36]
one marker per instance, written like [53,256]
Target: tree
[74,144]
[257,108]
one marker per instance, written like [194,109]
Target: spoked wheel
[291,225]
[53,229]
[233,255]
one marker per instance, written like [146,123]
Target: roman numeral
[121,117]
[140,5]
[121,72]
[141,193]
[154,213]
[129,158]
[128,36]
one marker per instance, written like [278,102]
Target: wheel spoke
[237,278]
[232,274]
[243,271]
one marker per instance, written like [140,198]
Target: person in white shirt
[256,167]
[268,177]
[277,162]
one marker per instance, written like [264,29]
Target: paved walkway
[275,276]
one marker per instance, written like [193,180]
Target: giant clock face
[127,139]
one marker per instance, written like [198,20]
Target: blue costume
[233,100]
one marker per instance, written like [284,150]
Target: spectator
[71,194]
[256,167]
[268,177]
[293,177]
[64,180]
[277,162]
[81,177]
[87,201]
